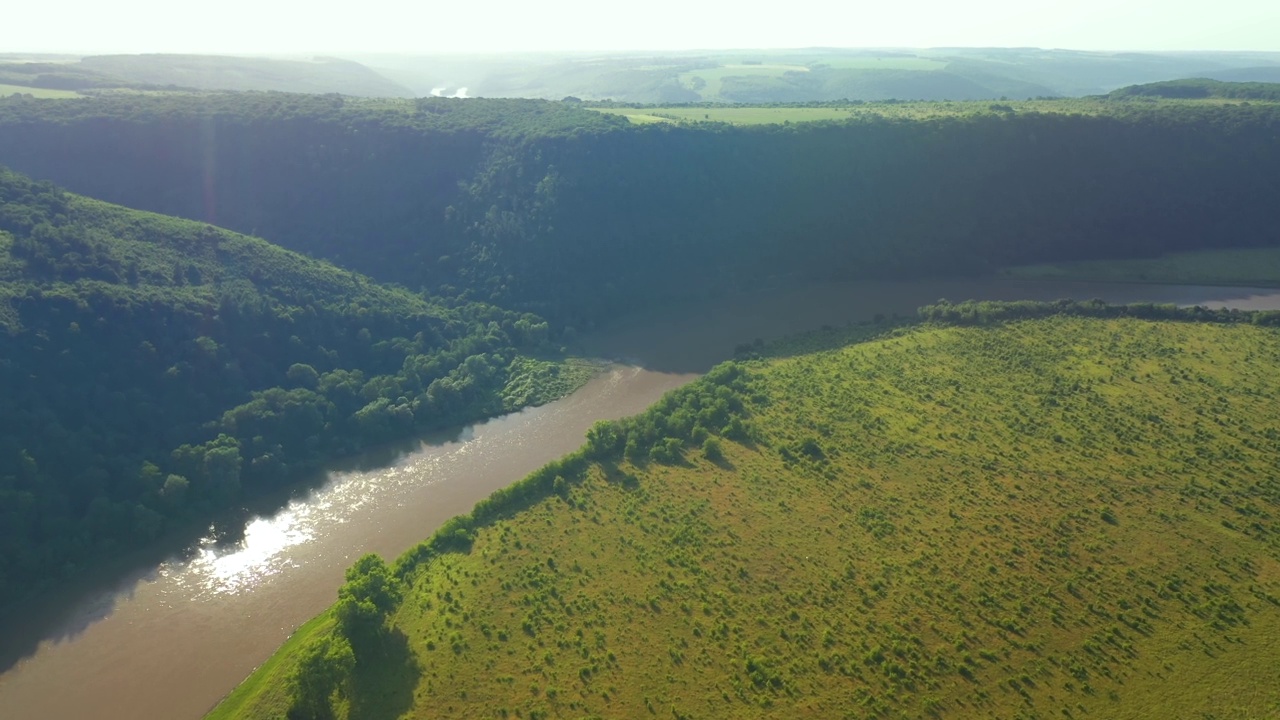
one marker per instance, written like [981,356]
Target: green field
[1063,517]
[36,92]
[734,115]
[881,63]
[707,82]
[1247,266]
[776,115]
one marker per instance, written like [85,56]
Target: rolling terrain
[812,74]
[162,373]
[580,215]
[160,72]
[1010,511]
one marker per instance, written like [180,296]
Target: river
[167,643]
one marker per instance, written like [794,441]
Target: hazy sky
[427,26]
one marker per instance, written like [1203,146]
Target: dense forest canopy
[579,215]
[158,372]
[163,370]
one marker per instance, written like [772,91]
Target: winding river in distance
[170,641]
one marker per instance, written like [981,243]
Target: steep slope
[1069,516]
[366,183]
[159,372]
[579,215]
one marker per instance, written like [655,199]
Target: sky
[289,27]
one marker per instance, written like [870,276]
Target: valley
[259,345]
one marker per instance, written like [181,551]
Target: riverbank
[175,640]
[1239,267]
[1050,510]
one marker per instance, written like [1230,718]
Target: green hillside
[812,74]
[1202,88]
[580,215]
[99,73]
[161,372]
[214,72]
[1070,516]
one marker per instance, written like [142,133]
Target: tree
[364,602]
[324,668]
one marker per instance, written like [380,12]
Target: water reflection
[261,554]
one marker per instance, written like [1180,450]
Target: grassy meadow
[1056,518]
[779,114]
[893,110]
[1243,266]
[43,93]
[736,115]
[708,81]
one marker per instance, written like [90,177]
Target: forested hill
[579,215]
[157,372]
[1199,88]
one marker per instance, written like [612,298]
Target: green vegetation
[276,672]
[508,201]
[708,82]
[161,372]
[202,72]
[886,62]
[733,114]
[817,74]
[165,371]
[43,93]
[1072,516]
[1258,267]
[1201,88]
[211,72]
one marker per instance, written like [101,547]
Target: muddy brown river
[168,642]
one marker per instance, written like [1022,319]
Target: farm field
[1243,266]
[737,114]
[36,92]
[733,115]
[1063,517]
[708,81]
[779,114]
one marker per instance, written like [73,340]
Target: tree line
[578,216]
[159,373]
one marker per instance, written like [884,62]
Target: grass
[916,110]
[1063,517]
[708,81]
[734,115]
[1247,266]
[36,92]
[776,115]
[265,692]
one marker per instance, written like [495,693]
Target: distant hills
[210,72]
[203,72]
[813,74]
[1202,88]
[742,76]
